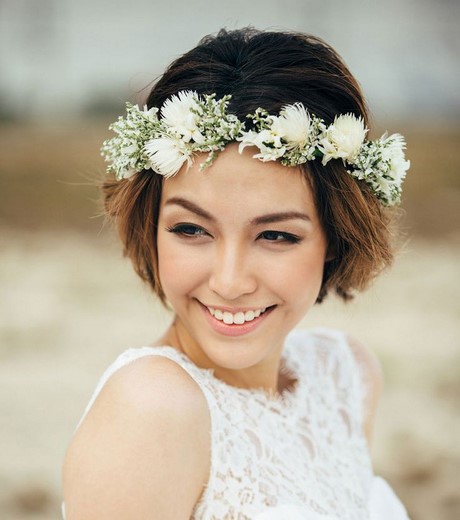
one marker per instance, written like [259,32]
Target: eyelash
[180,229]
[287,237]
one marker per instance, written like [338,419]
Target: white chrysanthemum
[343,139]
[177,115]
[293,125]
[393,152]
[167,155]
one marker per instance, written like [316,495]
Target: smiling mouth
[238,318]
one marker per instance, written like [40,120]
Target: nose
[233,274]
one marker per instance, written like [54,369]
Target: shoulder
[372,381]
[145,437]
[366,360]
[152,381]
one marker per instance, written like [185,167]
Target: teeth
[249,315]
[228,318]
[239,318]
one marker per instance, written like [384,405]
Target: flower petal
[167,155]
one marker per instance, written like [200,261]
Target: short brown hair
[269,70]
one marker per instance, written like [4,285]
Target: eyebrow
[263,219]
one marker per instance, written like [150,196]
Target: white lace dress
[300,455]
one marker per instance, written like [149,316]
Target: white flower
[262,140]
[293,125]
[259,139]
[247,139]
[167,155]
[270,154]
[343,139]
[177,115]
[151,113]
[163,140]
[393,152]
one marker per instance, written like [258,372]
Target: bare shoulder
[367,361]
[143,450]
[372,378]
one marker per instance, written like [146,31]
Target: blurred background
[69,301]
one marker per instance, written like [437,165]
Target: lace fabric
[300,454]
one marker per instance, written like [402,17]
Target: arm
[372,382]
[143,450]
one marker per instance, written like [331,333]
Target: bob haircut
[269,70]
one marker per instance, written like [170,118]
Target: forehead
[240,184]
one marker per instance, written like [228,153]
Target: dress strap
[350,376]
[328,362]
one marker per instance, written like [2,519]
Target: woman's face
[241,255]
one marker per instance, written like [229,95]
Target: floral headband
[163,140]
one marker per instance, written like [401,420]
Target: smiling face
[240,257]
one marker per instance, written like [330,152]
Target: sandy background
[70,304]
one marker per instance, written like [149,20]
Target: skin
[232,257]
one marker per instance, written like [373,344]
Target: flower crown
[163,140]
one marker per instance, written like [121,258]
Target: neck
[265,375]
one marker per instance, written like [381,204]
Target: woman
[244,191]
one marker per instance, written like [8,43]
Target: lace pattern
[303,449]
[308,444]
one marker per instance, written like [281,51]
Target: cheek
[179,268]
[302,277]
